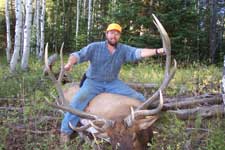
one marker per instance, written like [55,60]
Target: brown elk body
[112,114]
[117,107]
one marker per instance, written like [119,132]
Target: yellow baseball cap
[114,26]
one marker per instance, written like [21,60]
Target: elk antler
[167,77]
[58,86]
[168,73]
[62,66]
[51,75]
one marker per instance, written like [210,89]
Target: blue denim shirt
[103,65]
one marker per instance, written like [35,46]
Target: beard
[112,42]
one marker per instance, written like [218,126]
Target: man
[106,59]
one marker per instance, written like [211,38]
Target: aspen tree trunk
[89,19]
[7,18]
[23,27]
[114,5]
[37,22]
[84,8]
[18,31]
[35,12]
[42,30]
[78,16]
[27,35]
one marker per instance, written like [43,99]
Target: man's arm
[147,52]
[71,61]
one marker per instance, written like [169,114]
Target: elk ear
[143,124]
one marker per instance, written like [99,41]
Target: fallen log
[11,108]
[193,102]
[177,99]
[24,129]
[204,112]
[190,102]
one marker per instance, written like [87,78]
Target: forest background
[196,27]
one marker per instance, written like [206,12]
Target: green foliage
[13,85]
[216,137]
[4,132]
[180,20]
[197,79]
[172,135]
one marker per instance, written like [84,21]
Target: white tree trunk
[78,16]
[35,12]
[18,30]
[23,27]
[42,30]
[27,35]
[84,8]
[37,28]
[89,19]
[7,18]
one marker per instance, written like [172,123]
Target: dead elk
[112,116]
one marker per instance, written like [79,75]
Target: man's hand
[68,67]
[160,51]
[72,60]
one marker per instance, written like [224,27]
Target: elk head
[132,130]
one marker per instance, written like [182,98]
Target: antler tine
[129,119]
[73,111]
[62,64]
[82,114]
[152,111]
[168,73]
[51,75]
[79,129]
[96,127]
[165,41]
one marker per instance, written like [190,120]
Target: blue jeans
[88,91]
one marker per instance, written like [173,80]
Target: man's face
[113,37]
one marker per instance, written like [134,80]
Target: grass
[27,90]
